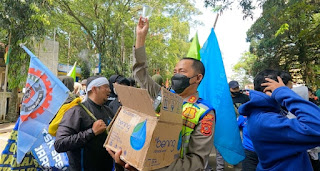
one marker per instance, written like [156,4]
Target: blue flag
[9,154]
[45,94]
[47,157]
[43,157]
[214,88]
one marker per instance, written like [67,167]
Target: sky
[230,30]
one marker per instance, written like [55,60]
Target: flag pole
[215,22]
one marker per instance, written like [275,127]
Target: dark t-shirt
[114,105]
[239,100]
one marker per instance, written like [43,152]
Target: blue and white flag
[214,89]
[8,156]
[47,156]
[43,157]
[45,94]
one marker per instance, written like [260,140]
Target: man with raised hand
[198,116]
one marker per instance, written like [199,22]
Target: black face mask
[180,82]
[236,93]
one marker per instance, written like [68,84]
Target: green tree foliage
[20,22]
[108,28]
[246,61]
[247,5]
[287,37]
[23,21]
[243,69]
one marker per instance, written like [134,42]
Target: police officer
[198,117]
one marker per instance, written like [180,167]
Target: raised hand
[142,31]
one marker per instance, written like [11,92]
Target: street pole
[69,49]
[133,49]
[54,48]
[99,66]
[6,77]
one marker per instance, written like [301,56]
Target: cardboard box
[148,142]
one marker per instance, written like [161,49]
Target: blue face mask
[180,82]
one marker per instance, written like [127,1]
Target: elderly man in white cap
[82,137]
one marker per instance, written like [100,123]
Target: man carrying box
[198,117]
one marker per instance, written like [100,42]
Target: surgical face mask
[180,82]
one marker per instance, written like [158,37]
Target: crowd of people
[278,126]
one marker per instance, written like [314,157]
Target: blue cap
[233,84]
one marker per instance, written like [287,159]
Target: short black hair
[132,81]
[117,79]
[285,76]
[67,81]
[197,65]
[272,74]
[123,81]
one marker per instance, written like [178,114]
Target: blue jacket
[281,143]
[246,142]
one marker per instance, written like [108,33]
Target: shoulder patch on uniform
[209,117]
[192,99]
[188,123]
[190,112]
[206,127]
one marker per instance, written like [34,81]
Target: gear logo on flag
[28,94]
[37,96]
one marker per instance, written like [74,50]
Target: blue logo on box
[138,136]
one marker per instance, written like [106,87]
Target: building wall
[48,52]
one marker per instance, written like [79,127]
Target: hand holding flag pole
[87,110]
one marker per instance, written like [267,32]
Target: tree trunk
[13,113]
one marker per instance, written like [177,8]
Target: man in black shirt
[81,136]
[238,97]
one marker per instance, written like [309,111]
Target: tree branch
[71,13]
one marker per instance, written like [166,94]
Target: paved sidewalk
[6,127]
[5,130]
